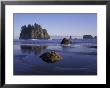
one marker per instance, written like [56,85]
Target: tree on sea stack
[33,32]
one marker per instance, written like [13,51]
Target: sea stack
[66,41]
[33,32]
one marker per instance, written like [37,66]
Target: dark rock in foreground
[51,57]
[66,41]
[33,32]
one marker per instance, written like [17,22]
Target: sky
[58,24]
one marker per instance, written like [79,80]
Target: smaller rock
[66,41]
[87,37]
[51,57]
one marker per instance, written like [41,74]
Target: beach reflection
[36,49]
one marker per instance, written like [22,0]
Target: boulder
[51,57]
[66,41]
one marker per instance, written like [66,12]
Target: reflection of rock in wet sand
[32,48]
[51,57]
[66,48]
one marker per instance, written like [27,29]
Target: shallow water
[80,58]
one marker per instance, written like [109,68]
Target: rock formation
[87,37]
[33,32]
[66,41]
[51,57]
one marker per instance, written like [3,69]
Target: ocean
[80,58]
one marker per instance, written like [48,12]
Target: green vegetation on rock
[33,32]
[51,57]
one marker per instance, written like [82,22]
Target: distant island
[33,32]
[89,37]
